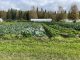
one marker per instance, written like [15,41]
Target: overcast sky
[27,4]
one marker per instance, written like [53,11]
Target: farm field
[39,41]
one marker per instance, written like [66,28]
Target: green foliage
[60,28]
[75,26]
[26,34]
[50,31]
[22,28]
[29,29]
[11,14]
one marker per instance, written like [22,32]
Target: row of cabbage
[22,28]
[75,26]
[55,30]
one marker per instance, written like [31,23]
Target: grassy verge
[32,49]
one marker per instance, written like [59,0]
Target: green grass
[36,49]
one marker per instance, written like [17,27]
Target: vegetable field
[22,29]
[39,41]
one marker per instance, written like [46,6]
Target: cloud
[27,4]
[7,4]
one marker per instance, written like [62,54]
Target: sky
[45,4]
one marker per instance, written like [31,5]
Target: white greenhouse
[1,20]
[41,20]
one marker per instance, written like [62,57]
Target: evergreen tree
[11,14]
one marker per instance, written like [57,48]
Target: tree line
[61,14]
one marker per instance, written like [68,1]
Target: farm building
[67,20]
[78,20]
[1,20]
[41,20]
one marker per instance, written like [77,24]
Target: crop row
[25,29]
[56,29]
